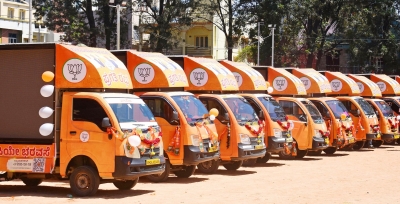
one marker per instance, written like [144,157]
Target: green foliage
[246,54]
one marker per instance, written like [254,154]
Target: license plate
[290,139]
[327,140]
[259,147]
[351,140]
[396,136]
[152,161]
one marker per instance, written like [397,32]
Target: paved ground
[366,176]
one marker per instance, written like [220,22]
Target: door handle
[72,132]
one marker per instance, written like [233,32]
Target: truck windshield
[337,108]
[130,110]
[274,110]
[366,108]
[241,109]
[385,108]
[315,114]
[191,107]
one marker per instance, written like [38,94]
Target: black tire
[126,185]
[163,176]
[300,153]
[264,159]
[314,153]
[208,167]
[398,141]
[330,150]
[233,165]
[283,155]
[84,181]
[377,143]
[358,145]
[390,141]
[31,181]
[249,162]
[186,172]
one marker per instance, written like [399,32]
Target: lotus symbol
[144,72]
[280,83]
[305,82]
[335,85]
[237,79]
[381,86]
[74,69]
[198,76]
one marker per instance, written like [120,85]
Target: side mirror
[261,115]
[105,123]
[226,117]
[175,115]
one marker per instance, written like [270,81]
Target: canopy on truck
[313,81]
[88,67]
[341,84]
[285,83]
[366,86]
[387,85]
[154,70]
[246,77]
[208,74]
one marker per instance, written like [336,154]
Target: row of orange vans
[116,116]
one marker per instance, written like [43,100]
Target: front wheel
[84,181]
[163,176]
[233,165]
[125,185]
[358,145]
[186,172]
[300,153]
[265,158]
[31,181]
[377,143]
[390,141]
[285,156]
[330,150]
[314,153]
[208,167]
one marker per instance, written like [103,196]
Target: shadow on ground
[224,172]
[331,155]
[268,164]
[14,191]
[176,180]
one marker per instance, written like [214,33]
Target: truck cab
[189,133]
[252,85]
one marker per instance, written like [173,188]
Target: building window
[376,61]
[201,41]
[10,13]
[21,14]
[12,38]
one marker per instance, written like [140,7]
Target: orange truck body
[190,138]
[80,129]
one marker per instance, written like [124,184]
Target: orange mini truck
[188,129]
[69,117]
[339,124]
[362,114]
[309,132]
[387,86]
[241,133]
[394,102]
[252,86]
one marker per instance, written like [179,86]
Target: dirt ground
[366,176]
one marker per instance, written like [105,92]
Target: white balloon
[134,140]
[291,125]
[47,90]
[212,117]
[270,89]
[46,129]
[398,117]
[45,112]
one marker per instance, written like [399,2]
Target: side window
[351,107]
[375,110]
[392,105]
[253,104]
[212,103]
[160,108]
[88,110]
[322,109]
[292,109]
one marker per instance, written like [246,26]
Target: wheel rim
[389,140]
[83,181]
[206,165]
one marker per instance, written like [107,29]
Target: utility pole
[272,26]
[258,46]
[118,7]
[30,21]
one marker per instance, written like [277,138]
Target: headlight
[317,133]
[244,139]
[195,140]
[277,132]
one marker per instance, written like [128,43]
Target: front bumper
[277,144]
[193,155]
[371,136]
[319,143]
[129,168]
[249,152]
[385,136]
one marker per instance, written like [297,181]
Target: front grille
[146,168]
[148,150]
[284,133]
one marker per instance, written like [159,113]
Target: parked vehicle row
[115,116]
